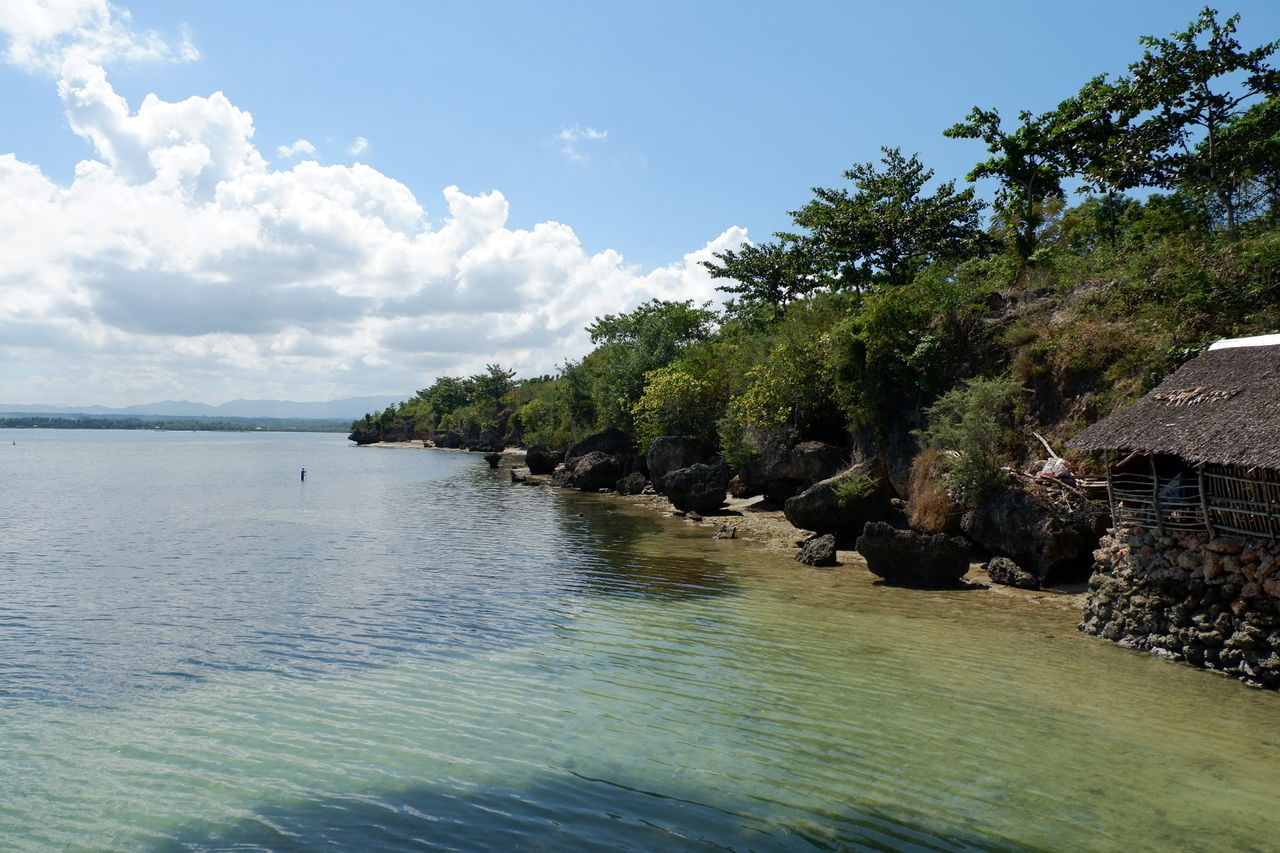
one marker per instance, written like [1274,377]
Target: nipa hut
[1192,568]
[1202,451]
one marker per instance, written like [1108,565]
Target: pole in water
[304,474]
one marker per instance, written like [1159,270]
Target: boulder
[540,460]
[612,441]
[594,471]
[831,506]
[699,487]
[787,465]
[741,487]
[1006,572]
[487,440]
[818,551]
[669,453]
[449,438]
[907,558]
[631,484]
[493,459]
[1049,531]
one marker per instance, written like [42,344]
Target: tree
[887,229]
[1030,163]
[1171,112]
[772,274]
[492,385]
[445,395]
[632,344]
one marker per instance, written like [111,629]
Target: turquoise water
[200,652]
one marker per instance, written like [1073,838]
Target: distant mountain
[349,409]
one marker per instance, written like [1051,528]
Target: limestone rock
[670,453]
[631,484]
[1004,571]
[593,471]
[540,460]
[612,441]
[819,508]
[907,558]
[1048,532]
[818,551]
[787,465]
[699,487]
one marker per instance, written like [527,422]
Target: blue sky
[293,238]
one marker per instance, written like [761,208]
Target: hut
[1202,451]
[1191,569]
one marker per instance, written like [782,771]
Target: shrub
[968,425]
[853,489]
[929,506]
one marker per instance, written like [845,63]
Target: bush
[853,489]
[675,403]
[968,425]
[929,506]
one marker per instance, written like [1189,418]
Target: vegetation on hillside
[893,306]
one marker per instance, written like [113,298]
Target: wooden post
[1155,494]
[1204,500]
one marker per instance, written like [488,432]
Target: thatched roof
[1223,407]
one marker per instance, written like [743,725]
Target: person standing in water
[304,475]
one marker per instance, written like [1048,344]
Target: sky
[319,200]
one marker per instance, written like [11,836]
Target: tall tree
[772,273]
[1175,105]
[1030,162]
[887,229]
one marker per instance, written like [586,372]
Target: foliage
[1171,112]
[1030,162]
[850,490]
[968,426]
[887,228]
[929,507]
[676,403]
[633,344]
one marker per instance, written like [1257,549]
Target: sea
[200,650]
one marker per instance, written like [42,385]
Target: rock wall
[1211,601]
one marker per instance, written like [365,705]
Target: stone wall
[1211,601]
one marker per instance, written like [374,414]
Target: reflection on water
[631,555]
[409,652]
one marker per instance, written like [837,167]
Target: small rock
[1004,571]
[818,551]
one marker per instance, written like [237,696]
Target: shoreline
[765,528]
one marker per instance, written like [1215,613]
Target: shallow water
[200,652]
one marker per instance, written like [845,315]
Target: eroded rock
[907,558]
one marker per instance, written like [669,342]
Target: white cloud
[178,263]
[43,34]
[293,149]
[569,137]
[359,146]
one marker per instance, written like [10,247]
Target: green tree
[1030,163]
[770,274]
[1175,105]
[632,344]
[887,228]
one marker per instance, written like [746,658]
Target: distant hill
[350,409]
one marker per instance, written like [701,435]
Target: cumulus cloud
[43,34]
[570,137]
[178,263]
[359,146]
[295,148]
